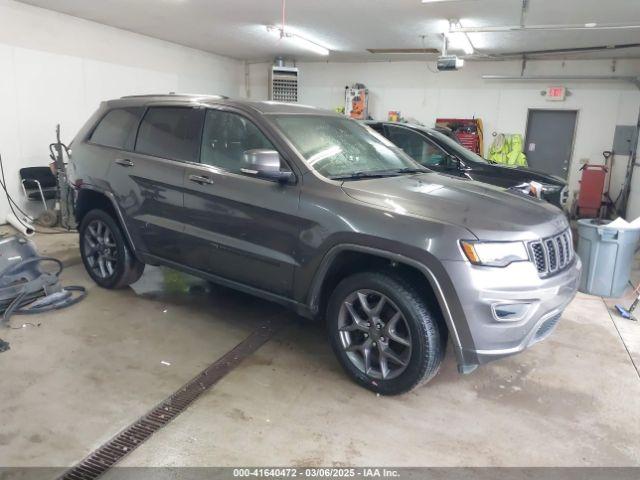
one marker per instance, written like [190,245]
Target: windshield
[455,147]
[340,148]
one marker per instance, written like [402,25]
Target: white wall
[419,92]
[56,68]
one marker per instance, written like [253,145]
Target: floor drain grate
[106,456]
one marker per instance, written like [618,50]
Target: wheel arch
[89,198]
[341,259]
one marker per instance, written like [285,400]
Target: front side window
[416,146]
[171,132]
[338,148]
[117,128]
[226,137]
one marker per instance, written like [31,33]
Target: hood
[527,174]
[490,213]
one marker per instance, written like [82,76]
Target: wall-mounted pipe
[23,224]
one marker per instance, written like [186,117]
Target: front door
[549,142]
[239,227]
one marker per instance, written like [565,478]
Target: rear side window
[118,128]
[171,132]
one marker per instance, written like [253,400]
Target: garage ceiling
[348,28]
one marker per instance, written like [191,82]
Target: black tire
[424,337]
[124,269]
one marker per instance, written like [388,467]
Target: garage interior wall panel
[417,91]
[57,69]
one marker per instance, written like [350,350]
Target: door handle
[125,162]
[200,179]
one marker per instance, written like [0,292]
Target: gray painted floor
[84,373]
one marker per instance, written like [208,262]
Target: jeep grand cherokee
[319,213]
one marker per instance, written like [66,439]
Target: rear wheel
[384,333]
[105,252]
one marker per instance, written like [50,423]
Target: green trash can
[607,257]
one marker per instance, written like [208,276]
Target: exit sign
[556,93]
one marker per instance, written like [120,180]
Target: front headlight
[494,254]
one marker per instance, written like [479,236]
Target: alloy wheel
[100,249]
[374,334]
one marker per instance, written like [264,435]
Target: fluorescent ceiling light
[298,40]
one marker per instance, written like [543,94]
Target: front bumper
[483,291]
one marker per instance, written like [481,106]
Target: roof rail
[174,94]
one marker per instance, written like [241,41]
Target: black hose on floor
[35,296]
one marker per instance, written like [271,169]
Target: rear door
[239,227]
[148,181]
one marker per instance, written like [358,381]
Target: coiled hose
[34,297]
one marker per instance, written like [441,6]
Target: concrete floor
[84,373]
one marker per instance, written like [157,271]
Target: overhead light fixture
[297,40]
[523,28]
[403,51]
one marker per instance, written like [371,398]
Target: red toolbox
[467,130]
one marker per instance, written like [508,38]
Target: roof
[264,107]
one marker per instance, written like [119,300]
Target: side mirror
[454,163]
[451,163]
[265,164]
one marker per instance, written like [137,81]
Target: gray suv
[320,213]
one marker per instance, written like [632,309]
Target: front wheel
[384,333]
[105,252]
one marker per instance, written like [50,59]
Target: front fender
[432,270]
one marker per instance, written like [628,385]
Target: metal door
[549,141]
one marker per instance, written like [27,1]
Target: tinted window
[416,146]
[226,137]
[118,128]
[171,132]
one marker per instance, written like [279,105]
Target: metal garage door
[549,140]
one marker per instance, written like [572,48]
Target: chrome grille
[553,254]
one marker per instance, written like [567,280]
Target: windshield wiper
[411,170]
[378,173]
[358,175]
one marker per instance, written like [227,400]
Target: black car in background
[439,150]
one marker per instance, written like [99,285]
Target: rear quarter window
[117,128]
